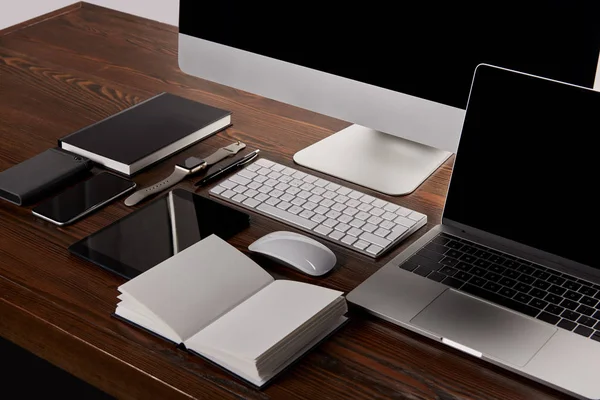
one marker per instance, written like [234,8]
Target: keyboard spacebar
[286,216]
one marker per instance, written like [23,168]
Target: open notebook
[221,305]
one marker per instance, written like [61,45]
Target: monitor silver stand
[376,160]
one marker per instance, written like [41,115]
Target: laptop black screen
[527,164]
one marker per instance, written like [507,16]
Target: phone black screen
[80,198]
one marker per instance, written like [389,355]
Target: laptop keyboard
[543,293]
[345,216]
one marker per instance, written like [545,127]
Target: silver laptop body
[535,332]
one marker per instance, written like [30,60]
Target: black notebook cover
[144,129]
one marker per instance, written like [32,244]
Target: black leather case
[40,175]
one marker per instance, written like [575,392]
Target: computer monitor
[401,74]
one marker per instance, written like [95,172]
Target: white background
[14,11]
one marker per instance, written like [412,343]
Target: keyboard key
[492,286]
[490,276]
[500,300]
[538,293]
[453,244]
[373,239]
[496,259]
[554,309]
[449,261]
[337,235]
[496,268]
[511,273]
[463,266]
[570,304]
[510,264]
[348,239]
[453,282]
[482,263]
[528,279]
[437,248]
[566,324]
[596,336]
[572,285]
[504,291]
[478,271]
[523,298]
[477,281]
[572,295]
[553,298]
[468,258]
[543,275]
[398,231]
[251,202]
[448,271]
[583,331]
[526,269]
[288,217]
[556,280]
[585,310]
[374,249]
[453,253]
[218,189]
[239,198]
[588,301]
[557,290]
[436,276]
[541,284]
[463,276]
[404,221]
[588,291]
[570,315]
[521,287]
[551,319]
[537,303]
[318,218]
[361,244]
[587,321]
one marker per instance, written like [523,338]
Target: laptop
[512,274]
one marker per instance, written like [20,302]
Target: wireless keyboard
[345,216]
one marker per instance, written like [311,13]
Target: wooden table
[80,64]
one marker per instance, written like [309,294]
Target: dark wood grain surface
[62,72]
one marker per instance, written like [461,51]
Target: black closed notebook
[146,133]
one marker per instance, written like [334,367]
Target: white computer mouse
[296,251]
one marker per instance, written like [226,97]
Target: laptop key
[453,282]
[453,253]
[453,244]
[423,270]
[572,285]
[463,276]
[549,318]
[448,270]
[492,286]
[449,261]
[504,291]
[570,304]
[510,264]
[521,287]
[409,265]
[526,279]
[538,293]
[526,269]
[500,300]
[566,324]
[557,290]
[570,315]
[507,282]
[597,315]
[588,301]
[585,310]
[482,263]
[572,295]
[468,258]
[477,281]
[436,248]
[542,284]
[537,303]
[584,331]
[596,336]
[541,274]
[463,266]
[587,321]
[496,269]
[554,309]
[468,249]
[511,273]
[436,276]
[553,298]
[557,280]
[433,256]
[588,291]
[523,298]
[478,271]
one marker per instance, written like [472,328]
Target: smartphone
[83,198]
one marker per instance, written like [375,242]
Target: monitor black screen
[526,164]
[429,50]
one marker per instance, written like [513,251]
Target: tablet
[162,228]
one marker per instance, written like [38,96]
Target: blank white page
[263,320]
[194,287]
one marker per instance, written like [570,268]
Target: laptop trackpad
[481,326]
